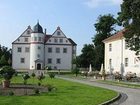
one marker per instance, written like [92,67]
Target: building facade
[36,50]
[118,57]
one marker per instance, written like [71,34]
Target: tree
[5,56]
[87,56]
[7,73]
[129,17]
[105,27]
[3,61]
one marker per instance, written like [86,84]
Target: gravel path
[130,96]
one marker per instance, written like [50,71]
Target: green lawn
[67,93]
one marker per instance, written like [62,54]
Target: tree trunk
[6,83]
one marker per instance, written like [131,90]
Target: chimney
[45,31]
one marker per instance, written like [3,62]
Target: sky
[75,17]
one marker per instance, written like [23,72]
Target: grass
[67,93]
[124,84]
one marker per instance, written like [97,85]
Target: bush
[11,93]
[51,75]
[50,87]
[33,75]
[39,83]
[7,72]
[117,76]
[129,76]
[75,71]
[36,91]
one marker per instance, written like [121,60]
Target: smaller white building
[118,58]
[36,50]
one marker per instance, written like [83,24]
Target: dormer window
[26,39]
[58,33]
[28,32]
[61,40]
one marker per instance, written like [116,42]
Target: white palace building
[118,58]
[35,50]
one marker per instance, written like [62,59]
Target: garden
[25,89]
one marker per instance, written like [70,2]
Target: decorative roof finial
[58,28]
[37,21]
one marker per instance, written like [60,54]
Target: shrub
[75,71]
[25,78]
[7,72]
[130,75]
[51,75]
[39,83]
[11,93]
[33,75]
[50,87]
[36,91]
[117,76]
[40,77]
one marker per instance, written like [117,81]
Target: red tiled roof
[47,37]
[116,36]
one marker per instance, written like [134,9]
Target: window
[66,41]
[57,50]
[38,47]
[110,62]
[39,39]
[126,47]
[58,33]
[49,60]
[49,40]
[126,62]
[27,49]
[64,50]
[19,49]
[110,47]
[49,50]
[55,40]
[28,32]
[35,38]
[22,60]
[58,61]
[26,39]
[61,40]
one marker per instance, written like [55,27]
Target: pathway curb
[112,100]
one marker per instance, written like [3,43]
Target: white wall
[16,56]
[118,55]
[66,58]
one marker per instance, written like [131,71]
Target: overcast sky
[75,17]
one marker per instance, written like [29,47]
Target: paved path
[131,96]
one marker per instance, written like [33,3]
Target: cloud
[97,3]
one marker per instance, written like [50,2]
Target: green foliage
[51,75]
[129,17]
[105,27]
[75,71]
[11,93]
[5,55]
[25,78]
[87,57]
[3,60]
[36,91]
[33,75]
[7,72]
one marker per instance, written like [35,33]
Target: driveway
[130,96]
